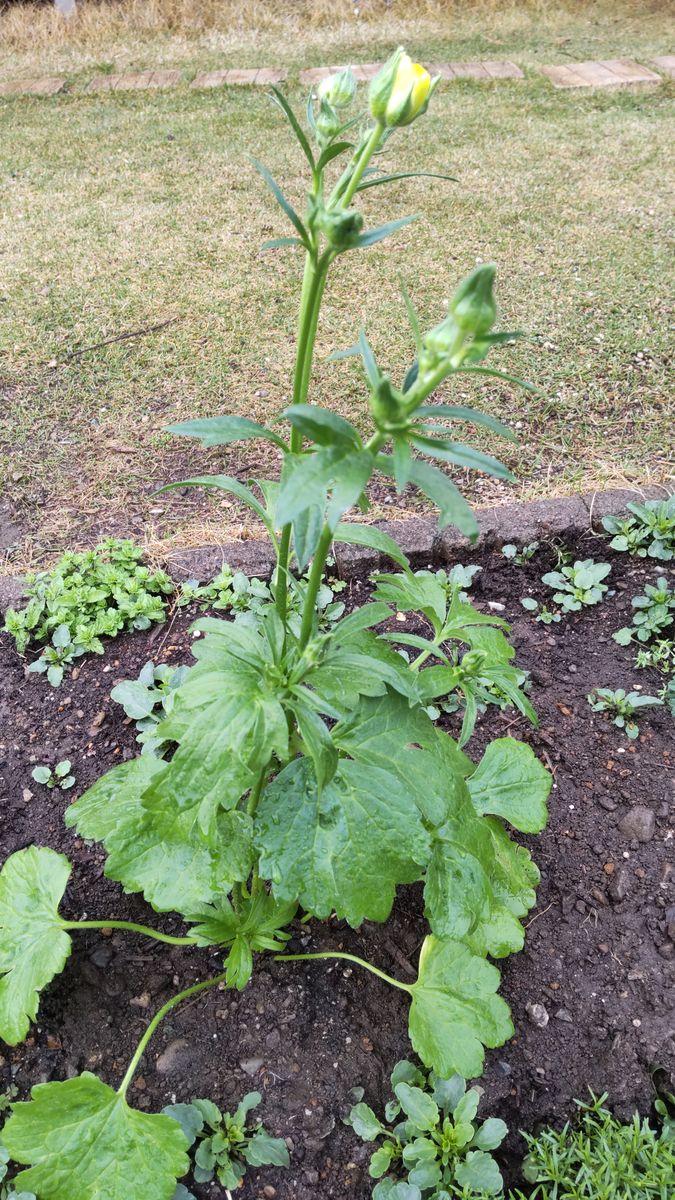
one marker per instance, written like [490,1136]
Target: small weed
[649,532]
[623,707]
[149,698]
[232,591]
[225,1144]
[547,616]
[60,777]
[654,615]
[86,596]
[520,557]
[579,585]
[431,1137]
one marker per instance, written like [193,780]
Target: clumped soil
[598,958]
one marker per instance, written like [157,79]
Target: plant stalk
[314,583]
[360,962]
[158,1017]
[132,927]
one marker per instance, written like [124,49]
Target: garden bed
[598,958]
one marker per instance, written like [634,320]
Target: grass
[122,211]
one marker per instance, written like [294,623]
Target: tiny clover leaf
[33,946]
[81,1130]
[455,1011]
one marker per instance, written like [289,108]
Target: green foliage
[148,699]
[653,617]
[33,945]
[82,1130]
[483,675]
[623,707]
[578,585]
[520,557]
[226,1144]
[430,1135]
[85,597]
[60,777]
[546,615]
[648,532]
[7,1190]
[599,1159]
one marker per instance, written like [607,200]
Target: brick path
[611,72]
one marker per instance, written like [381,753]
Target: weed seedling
[623,707]
[547,616]
[148,699]
[520,557]
[430,1139]
[578,585]
[649,531]
[654,614]
[60,777]
[226,1144]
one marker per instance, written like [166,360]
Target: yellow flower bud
[400,91]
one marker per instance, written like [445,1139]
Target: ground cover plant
[648,532]
[624,708]
[226,1144]
[84,598]
[306,772]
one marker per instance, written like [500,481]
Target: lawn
[123,211]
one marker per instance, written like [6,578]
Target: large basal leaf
[33,947]
[360,665]
[458,890]
[455,1011]
[513,878]
[511,783]
[344,848]
[84,1142]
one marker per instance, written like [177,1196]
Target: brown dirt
[304,1034]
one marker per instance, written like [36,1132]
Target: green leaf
[372,236]
[307,528]
[318,742]
[82,1132]
[263,1150]
[426,1175]
[380,1162]
[374,181]
[364,1122]
[457,891]
[344,848]
[225,483]
[331,152]
[282,201]
[491,1134]
[137,700]
[277,243]
[455,1011]
[41,774]
[33,946]
[189,1118]
[460,412]
[370,535]
[220,431]
[479,1172]
[529,387]
[373,372]
[418,1106]
[511,783]
[513,879]
[463,456]
[299,132]
[453,508]
[306,477]
[321,425]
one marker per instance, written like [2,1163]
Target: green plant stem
[132,927]
[314,583]
[369,148]
[360,962]
[158,1017]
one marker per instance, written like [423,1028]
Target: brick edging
[419,538]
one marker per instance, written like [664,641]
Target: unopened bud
[400,91]
[473,304]
[342,227]
[338,90]
[385,405]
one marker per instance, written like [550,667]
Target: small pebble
[537,1014]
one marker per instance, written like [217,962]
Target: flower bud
[385,405]
[341,227]
[472,662]
[473,304]
[439,344]
[400,91]
[328,124]
[338,90]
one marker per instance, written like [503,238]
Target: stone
[209,79]
[468,70]
[245,77]
[171,1059]
[251,1066]
[638,824]
[620,885]
[270,75]
[563,1015]
[503,70]
[355,562]
[313,75]
[47,86]
[415,537]
[665,63]
[364,72]
[537,1014]
[136,81]
[613,72]
[255,558]
[614,500]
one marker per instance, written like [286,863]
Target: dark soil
[598,957]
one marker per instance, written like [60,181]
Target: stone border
[419,538]
[610,72]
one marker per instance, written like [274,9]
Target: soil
[598,957]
